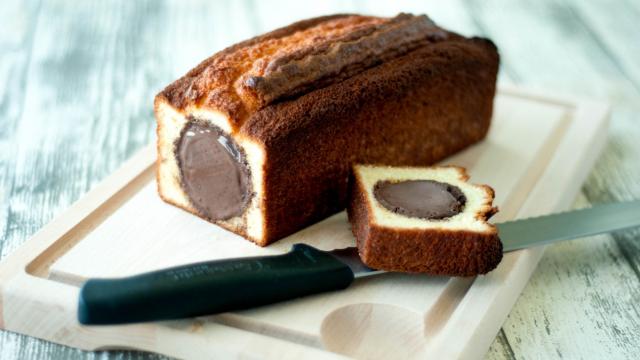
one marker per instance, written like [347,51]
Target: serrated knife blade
[542,230]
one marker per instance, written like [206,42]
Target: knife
[232,284]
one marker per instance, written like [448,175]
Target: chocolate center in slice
[214,172]
[426,199]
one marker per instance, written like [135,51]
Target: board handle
[211,287]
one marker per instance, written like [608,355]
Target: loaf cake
[260,137]
[423,220]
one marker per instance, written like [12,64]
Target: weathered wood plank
[19,21]
[16,39]
[582,290]
[92,74]
[500,349]
[616,177]
[580,303]
[548,48]
[618,32]
[268,15]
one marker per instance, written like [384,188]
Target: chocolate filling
[426,199]
[214,171]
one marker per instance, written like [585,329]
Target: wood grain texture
[78,80]
[582,301]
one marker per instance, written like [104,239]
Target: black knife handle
[211,287]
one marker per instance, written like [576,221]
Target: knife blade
[547,229]
[233,284]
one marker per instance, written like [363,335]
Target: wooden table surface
[78,79]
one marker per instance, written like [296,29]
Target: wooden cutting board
[538,152]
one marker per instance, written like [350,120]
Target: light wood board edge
[24,272]
[591,118]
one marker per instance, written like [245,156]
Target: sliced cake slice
[423,220]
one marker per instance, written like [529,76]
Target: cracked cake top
[296,59]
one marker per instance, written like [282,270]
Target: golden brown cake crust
[435,251]
[414,109]
[252,74]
